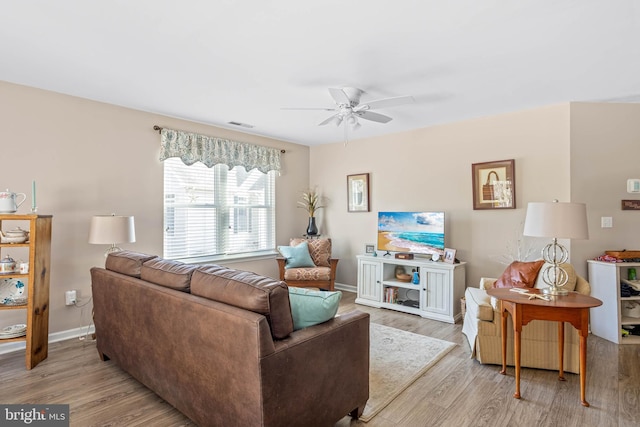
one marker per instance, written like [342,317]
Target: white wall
[579,152]
[605,152]
[90,158]
[430,169]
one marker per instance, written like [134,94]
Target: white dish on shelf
[17,239]
[12,330]
[10,289]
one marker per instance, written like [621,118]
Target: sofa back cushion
[171,274]
[319,249]
[127,262]
[248,291]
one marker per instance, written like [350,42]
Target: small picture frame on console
[449,255]
[369,249]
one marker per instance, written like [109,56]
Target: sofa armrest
[334,266]
[281,263]
[487,282]
[479,304]
[328,363]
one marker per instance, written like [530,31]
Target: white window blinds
[215,211]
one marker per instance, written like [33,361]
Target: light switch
[606,222]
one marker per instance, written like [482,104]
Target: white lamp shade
[556,219]
[112,229]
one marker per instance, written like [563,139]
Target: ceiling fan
[348,108]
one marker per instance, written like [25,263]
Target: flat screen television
[413,232]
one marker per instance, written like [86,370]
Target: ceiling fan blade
[374,117]
[386,102]
[339,96]
[333,118]
[308,108]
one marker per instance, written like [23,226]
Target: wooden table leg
[517,329]
[584,332]
[561,351]
[503,328]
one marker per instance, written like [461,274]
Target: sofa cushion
[478,304]
[519,275]
[571,277]
[319,249]
[248,291]
[297,256]
[311,307]
[127,262]
[171,274]
[313,273]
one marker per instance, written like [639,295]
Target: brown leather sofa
[218,344]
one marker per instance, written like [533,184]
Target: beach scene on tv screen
[415,232]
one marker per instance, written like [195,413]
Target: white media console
[437,295]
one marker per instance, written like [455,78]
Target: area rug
[398,358]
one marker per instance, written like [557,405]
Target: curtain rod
[159,130]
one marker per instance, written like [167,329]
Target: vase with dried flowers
[311,203]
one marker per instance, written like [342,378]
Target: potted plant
[311,203]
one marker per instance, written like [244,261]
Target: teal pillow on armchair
[297,256]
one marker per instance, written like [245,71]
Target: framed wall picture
[358,193]
[494,185]
[449,255]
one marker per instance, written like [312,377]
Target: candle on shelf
[33,196]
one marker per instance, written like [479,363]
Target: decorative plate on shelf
[10,289]
[13,331]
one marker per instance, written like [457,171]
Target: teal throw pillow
[297,256]
[310,307]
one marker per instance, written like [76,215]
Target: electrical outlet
[70,297]
[606,222]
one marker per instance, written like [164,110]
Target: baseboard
[346,288]
[53,337]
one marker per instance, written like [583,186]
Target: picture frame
[358,192]
[494,185]
[369,249]
[449,255]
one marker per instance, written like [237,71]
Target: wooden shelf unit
[37,307]
[607,320]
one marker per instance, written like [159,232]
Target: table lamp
[111,230]
[558,220]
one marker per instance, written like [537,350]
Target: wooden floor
[457,391]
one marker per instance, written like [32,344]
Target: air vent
[244,125]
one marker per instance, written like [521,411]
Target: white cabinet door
[436,292]
[369,280]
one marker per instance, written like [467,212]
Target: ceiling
[220,61]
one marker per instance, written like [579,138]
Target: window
[211,212]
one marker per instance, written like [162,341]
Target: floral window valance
[193,147]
